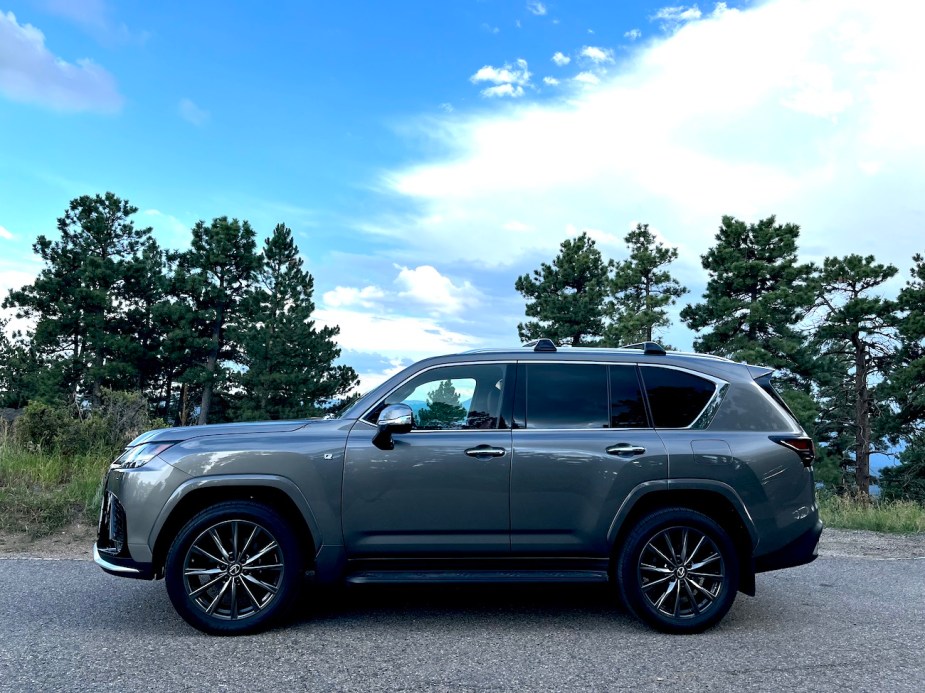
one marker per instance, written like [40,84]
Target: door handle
[485,451]
[626,450]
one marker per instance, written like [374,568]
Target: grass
[42,492]
[853,512]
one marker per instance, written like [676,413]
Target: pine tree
[756,294]
[290,362]
[443,409]
[642,289]
[568,297]
[215,275]
[856,335]
[79,299]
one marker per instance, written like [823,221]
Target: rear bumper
[122,567]
[802,550]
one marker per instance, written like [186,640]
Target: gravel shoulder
[76,542]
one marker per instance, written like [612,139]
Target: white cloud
[515,225]
[347,296]
[560,58]
[551,81]
[597,55]
[587,78]
[4,233]
[827,134]
[503,90]
[509,80]
[632,34]
[192,113]
[490,29]
[426,286]
[678,14]
[393,336]
[446,107]
[94,17]
[167,225]
[30,73]
[536,8]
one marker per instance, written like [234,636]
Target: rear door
[582,442]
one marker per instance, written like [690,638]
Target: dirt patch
[858,543]
[76,542]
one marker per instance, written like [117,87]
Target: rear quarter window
[746,408]
[676,398]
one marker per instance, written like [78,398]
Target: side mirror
[395,418]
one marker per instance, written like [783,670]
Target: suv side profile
[676,477]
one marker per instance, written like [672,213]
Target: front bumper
[804,549]
[122,566]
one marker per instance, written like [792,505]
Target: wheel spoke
[234,595]
[234,541]
[218,542]
[701,564]
[217,561]
[202,571]
[655,569]
[707,576]
[690,595]
[696,548]
[218,597]
[260,583]
[684,546]
[257,605]
[674,556]
[269,547]
[707,593]
[661,600]
[248,542]
[661,555]
[206,586]
[268,566]
[660,581]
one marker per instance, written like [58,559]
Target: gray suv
[677,477]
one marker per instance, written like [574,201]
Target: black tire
[678,571]
[234,568]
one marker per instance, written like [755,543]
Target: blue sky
[427,153]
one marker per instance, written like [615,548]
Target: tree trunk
[861,417]
[211,363]
[184,401]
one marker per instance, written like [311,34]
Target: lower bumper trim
[122,567]
[800,551]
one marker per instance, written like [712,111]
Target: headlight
[140,455]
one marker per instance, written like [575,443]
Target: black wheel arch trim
[664,485]
[240,481]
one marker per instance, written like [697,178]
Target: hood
[182,433]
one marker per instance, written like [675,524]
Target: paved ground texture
[852,621]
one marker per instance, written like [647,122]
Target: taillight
[801,445]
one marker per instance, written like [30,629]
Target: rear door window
[676,398]
[567,395]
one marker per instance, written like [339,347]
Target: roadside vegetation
[52,461]
[873,514]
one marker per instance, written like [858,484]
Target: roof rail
[543,344]
[647,348]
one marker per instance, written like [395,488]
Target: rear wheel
[678,571]
[233,568]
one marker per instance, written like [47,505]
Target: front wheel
[678,571]
[233,568]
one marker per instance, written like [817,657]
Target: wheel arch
[712,498]
[195,495]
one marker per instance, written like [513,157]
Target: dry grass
[853,512]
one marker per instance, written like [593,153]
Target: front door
[444,488]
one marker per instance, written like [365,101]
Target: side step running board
[475,576]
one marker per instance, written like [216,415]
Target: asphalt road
[839,624]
